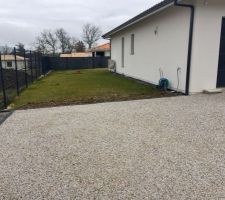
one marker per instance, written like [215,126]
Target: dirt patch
[93,100]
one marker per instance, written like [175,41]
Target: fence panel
[57,63]
[18,69]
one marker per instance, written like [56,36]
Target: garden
[82,87]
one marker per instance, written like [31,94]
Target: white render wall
[107,53]
[20,65]
[166,50]
[206,44]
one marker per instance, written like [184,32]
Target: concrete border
[9,113]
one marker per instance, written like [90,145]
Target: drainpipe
[191,30]
[110,43]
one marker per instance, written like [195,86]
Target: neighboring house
[181,38]
[76,55]
[8,62]
[101,50]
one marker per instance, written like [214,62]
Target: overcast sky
[22,20]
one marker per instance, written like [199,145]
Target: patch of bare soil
[93,100]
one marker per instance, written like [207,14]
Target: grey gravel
[169,148]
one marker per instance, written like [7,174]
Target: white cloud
[22,20]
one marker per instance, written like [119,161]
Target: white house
[76,55]
[101,50]
[182,38]
[8,62]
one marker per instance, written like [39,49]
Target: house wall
[107,53]
[206,44]
[20,65]
[166,50]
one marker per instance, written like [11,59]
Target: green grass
[88,86]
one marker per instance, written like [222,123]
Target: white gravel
[170,148]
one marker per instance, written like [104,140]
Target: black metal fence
[57,63]
[18,69]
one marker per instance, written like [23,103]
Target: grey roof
[139,17]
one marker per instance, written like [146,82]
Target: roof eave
[99,50]
[159,7]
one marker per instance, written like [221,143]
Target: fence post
[39,63]
[3,83]
[42,65]
[16,68]
[93,62]
[25,65]
[35,61]
[31,67]
[67,60]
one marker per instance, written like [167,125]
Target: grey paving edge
[6,116]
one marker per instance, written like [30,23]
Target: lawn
[84,86]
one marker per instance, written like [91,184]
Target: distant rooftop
[76,55]
[101,48]
[11,58]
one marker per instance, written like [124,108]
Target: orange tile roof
[103,47]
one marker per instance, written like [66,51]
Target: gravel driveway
[170,148]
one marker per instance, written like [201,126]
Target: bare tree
[41,46]
[80,47]
[20,48]
[72,44]
[64,39]
[91,34]
[50,40]
[6,49]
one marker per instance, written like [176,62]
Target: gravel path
[170,148]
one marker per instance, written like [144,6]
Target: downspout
[110,43]
[190,43]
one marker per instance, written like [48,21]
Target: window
[132,44]
[123,41]
[9,63]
